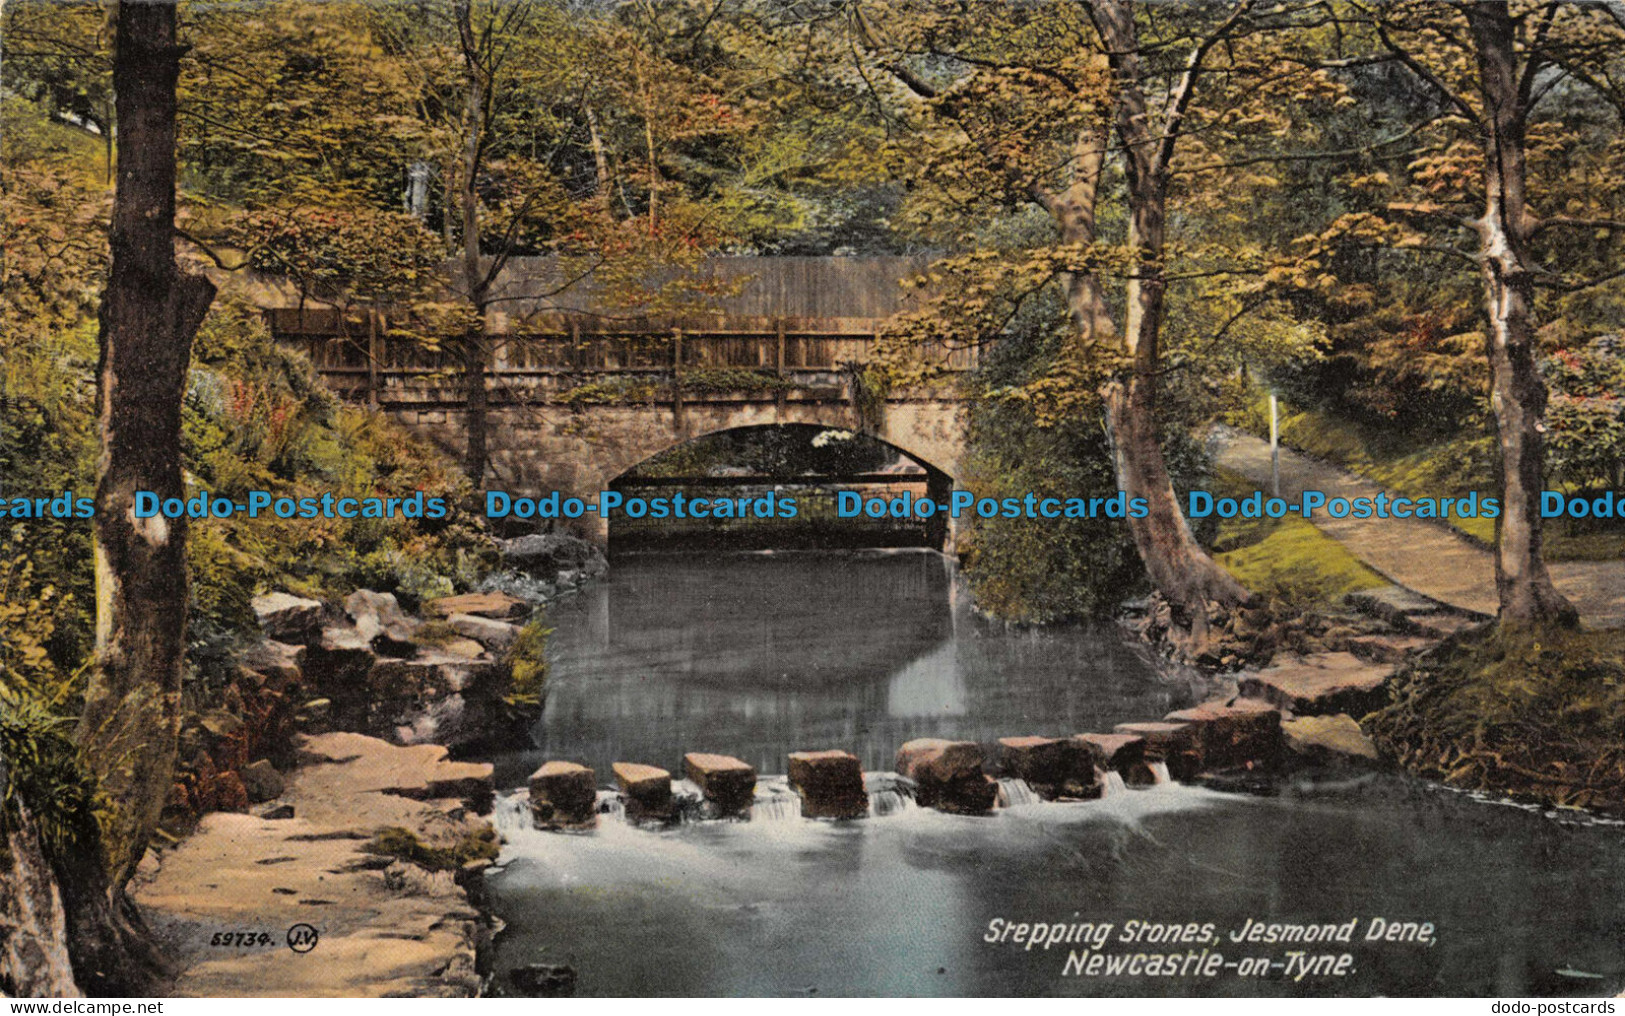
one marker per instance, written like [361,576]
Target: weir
[776,802]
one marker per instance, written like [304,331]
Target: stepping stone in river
[1321,684]
[647,789]
[830,784]
[1118,752]
[726,782]
[1044,762]
[563,794]
[947,775]
[1244,734]
[1087,784]
[1173,744]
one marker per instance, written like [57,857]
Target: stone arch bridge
[579,392]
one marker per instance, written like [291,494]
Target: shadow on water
[757,656]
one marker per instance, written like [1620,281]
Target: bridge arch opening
[784,483]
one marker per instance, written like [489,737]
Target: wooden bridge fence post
[779,397]
[939,488]
[677,380]
[372,357]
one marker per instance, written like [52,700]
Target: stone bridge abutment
[579,451]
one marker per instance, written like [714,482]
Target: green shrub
[529,661]
[701,380]
[1534,714]
[614,391]
[40,769]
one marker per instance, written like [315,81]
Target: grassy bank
[1535,716]
[1287,559]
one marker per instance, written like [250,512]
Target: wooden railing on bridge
[549,362]
[806,322]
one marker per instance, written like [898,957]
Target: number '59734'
[240,939]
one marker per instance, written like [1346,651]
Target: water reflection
[759,655]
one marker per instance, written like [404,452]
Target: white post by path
[1275,448]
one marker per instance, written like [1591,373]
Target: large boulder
[437,696]
[496,636]
[938,760]
[462,648]
[647,789]
[1086,785]
[277,661]
[494,606]
[543,980]
[288,618]
[563,794]
[261,781]
[1327,739]
[726,782]
[830,784]
[1321,684]
[378,618]
[1173,744]
[449,721]
[947,775]
[1240,735]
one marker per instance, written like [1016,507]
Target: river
[757,655]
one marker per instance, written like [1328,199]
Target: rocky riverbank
[335,848]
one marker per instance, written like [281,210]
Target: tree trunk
[415,199]
[600,156]
[1517,392]
[1178,566]
[149,313]
[476,355]
[33,927]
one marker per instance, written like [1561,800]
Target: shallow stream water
[760,655]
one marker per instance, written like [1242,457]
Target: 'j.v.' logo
[302,938]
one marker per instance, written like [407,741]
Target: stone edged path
[1423,556]
[387,928]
